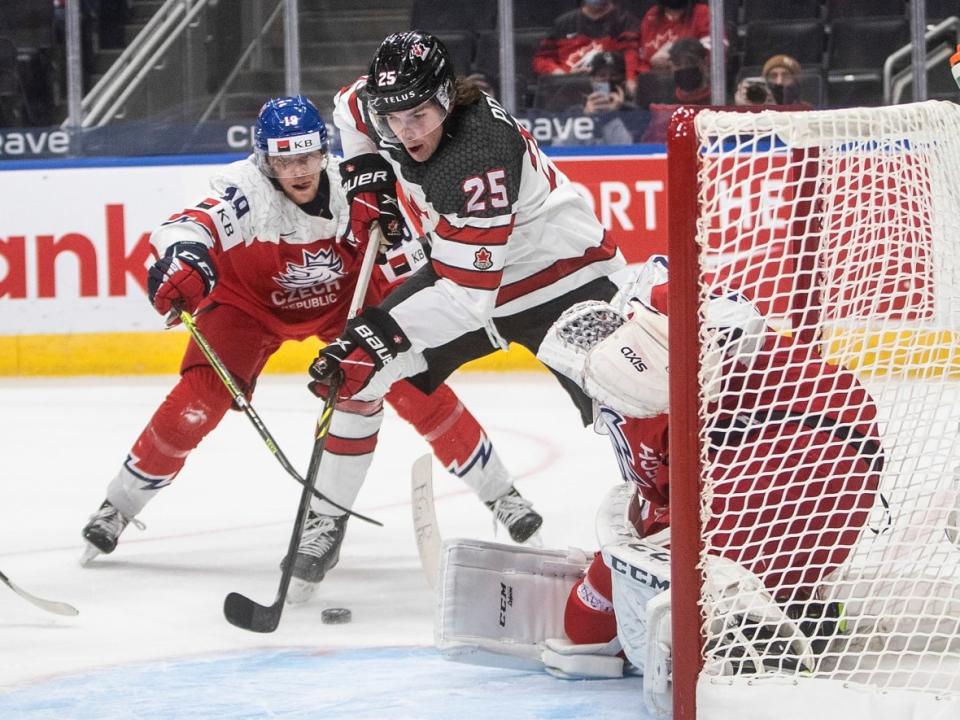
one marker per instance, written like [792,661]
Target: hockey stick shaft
[425,527]
[241,402]
[239,610]
[52,606]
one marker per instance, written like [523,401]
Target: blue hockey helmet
[290,139]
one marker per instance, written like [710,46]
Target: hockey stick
[52,606]
[241,402]
[425,518]
[239,609]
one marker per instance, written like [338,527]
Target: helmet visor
[291,166]
[410,124]
[292,156]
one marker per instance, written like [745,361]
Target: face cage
[291,166]
[442,99]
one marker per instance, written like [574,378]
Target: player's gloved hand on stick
[371,341]
[371,191]
[182,278]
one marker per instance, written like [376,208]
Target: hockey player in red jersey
[511,242]
[269,257]
[795,448]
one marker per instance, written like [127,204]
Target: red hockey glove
[372,340]
[371,191]
[183,276]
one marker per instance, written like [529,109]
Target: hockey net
[843,229]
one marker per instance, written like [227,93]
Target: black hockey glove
[371,191]
[371,341]
[182,277]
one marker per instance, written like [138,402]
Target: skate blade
[300,591]
[89,553]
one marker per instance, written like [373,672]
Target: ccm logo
[641,576]
[506,600]
[633,358]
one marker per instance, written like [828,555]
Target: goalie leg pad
[569,661]
[640,570]
[498,603]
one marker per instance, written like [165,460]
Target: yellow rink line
[910,353]
[157,353]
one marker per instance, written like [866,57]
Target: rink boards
[74,247]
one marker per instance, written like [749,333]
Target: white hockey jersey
[507,231]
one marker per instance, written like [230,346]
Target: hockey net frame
[921,347]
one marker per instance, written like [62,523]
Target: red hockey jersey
[795,458]
[293,271]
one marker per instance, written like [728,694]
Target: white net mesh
[831,440]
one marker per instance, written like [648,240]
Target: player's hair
[466,92]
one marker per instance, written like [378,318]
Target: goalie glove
[620,363]
[182,277]
[370,185]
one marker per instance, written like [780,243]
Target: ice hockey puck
[335,616]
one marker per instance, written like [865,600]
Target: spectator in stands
[664,24]
[577,36]
[782,74]
[753,90]
[690,63]
[608,76]
[778,84]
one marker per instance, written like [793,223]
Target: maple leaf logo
[483,259]
[319,268]
[418,50]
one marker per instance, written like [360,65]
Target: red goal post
[842,228]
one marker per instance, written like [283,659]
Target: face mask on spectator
[688,78]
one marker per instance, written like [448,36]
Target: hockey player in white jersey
[511,242]
[268,257]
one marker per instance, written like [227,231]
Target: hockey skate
[318,553]
[103,530]
[517,515]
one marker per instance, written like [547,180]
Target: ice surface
[151,641]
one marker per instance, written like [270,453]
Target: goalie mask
[410,86]
[290,139]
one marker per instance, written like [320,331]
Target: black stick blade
[248,615]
